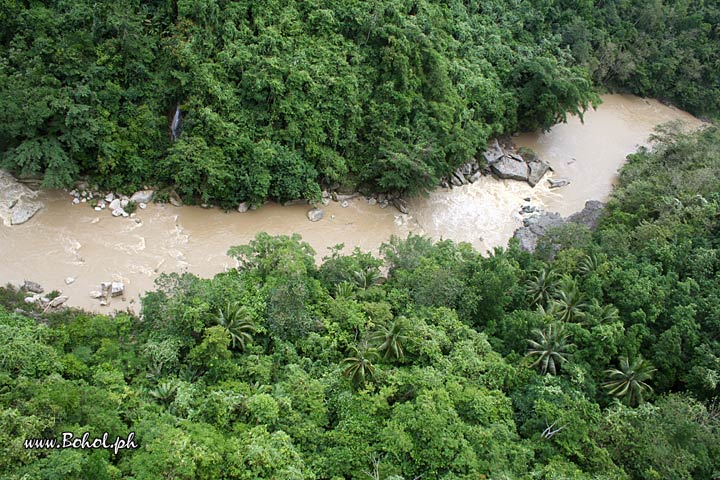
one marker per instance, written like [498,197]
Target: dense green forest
[597,357]
[279,98]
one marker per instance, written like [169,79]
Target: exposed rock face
[24,210]
[510,168]
[143,196]
[315,215]
[456,180]
[17,201]
[589,215]
[537,226]
[243,207]
[493,153]
[115,204]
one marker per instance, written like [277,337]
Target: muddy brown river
[64,240]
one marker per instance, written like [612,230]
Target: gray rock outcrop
[509,168]
[17,201]
[537,226]
[538,170]
[589,215]
[504,163]
[493,153]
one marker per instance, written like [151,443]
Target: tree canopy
[278,98]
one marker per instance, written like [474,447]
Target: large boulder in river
[117,288]
[17,201]
[24,210]
[558,182]
[511,169]
[538,169]
[316,214]
[142,196]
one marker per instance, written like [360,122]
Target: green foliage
[677,437]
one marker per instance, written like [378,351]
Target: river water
[63,240]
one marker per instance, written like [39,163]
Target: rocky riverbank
[35,294]
[501,160]
[538,225]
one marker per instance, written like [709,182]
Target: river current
[65,240]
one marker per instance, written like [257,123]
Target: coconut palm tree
[164,392]
[608,314]
[389,339]
[550,347]
[541,285]
[344,290]
[630,380]
[236,320]
[590,263]
[570,302]
[359,367]
[365,278]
